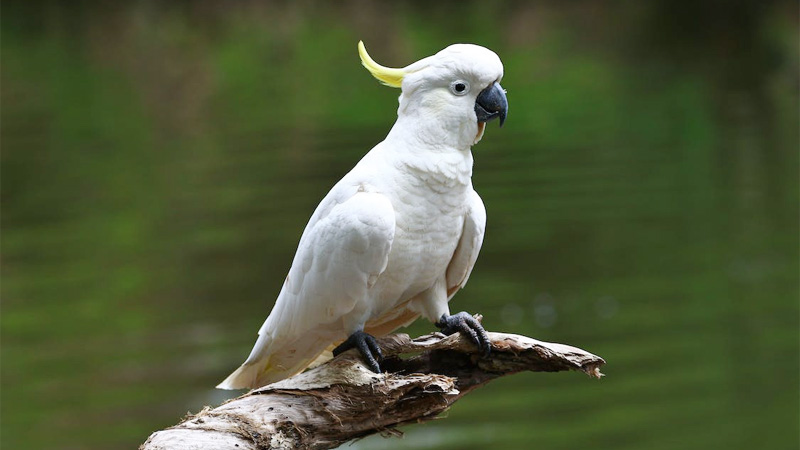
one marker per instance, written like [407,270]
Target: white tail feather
[271,361]
[242,378]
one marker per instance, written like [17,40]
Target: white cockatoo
[398,236]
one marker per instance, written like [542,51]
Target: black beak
[491,103]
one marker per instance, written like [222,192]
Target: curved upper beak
[491,103]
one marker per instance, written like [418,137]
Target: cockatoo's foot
[365,344]
[465,323]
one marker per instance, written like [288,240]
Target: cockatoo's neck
[432,135]
[429,151]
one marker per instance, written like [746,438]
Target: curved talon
[366,345]
[464,322]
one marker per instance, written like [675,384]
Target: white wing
[343,250]
[469,245]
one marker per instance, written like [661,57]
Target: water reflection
[642,204]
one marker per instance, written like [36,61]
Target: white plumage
[398,235]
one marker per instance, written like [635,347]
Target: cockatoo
[398,235]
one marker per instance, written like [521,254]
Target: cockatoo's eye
[459,87]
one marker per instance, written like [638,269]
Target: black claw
[464,322]
[366,345]
[374,348]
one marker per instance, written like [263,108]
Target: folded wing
[469,245]
[343,250]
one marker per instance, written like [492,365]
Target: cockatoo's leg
[365,344]
[465,323]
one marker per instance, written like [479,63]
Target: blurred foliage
[160,159]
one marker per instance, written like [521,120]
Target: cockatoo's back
[398,235]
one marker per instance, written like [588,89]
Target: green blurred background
[160,159]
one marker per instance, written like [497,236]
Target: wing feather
[469,245]
[344,248]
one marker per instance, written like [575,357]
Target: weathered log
[342,400]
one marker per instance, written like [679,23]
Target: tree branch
[342,400]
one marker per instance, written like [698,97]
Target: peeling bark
[342,400]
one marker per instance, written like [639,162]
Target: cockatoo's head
[447,98]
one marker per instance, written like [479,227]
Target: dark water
[160,162]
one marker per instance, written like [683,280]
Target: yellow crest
[386,75]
